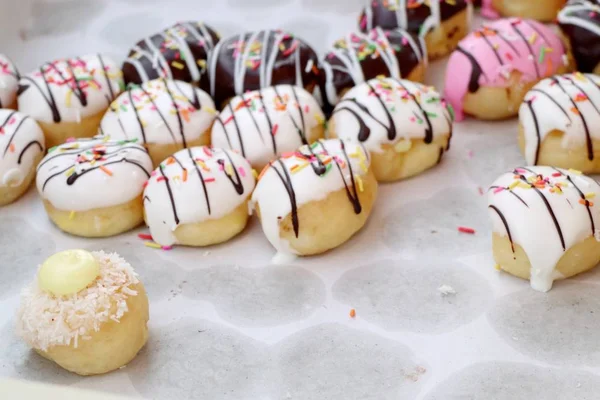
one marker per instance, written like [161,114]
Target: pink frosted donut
[509,54]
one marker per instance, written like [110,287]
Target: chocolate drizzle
[476,70]
[170,192]
[505,223]
[201,177]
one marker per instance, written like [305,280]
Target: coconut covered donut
[163,115]
[494,67]
[180,52]
[541,10]
[560,123]
[544,222]
[264,124]
[316,198]
[69,97]
[198,197]
[21,149]
[405,125]
[9,83]
[360,57]
[580,23]
[257,60]
[93,187]
[441,23]
[87,312]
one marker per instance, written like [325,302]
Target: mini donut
[163,115]
[541,10]
[9,83]
[264,124]
[362,56]
[441,23]
[316,198]
[257,60]
[580,23]
[93,187]
[87,312]
[69,97]
[494,67]
[21,149]
[545,224]
[405,125]
[198,197]
[180,52]
[560,123]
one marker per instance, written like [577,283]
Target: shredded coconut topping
[44,320]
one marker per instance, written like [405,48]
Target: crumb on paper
[415,374]
[206,253]
[446,290]
[352,313]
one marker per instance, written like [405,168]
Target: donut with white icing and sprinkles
[359,57]
[405,125]
[559,123]
[68,97]
[494,67]
[163,115]
[257,60]
[9,83]
[266,123]
[198,197]
[579,21]
[93,187]
[545,224]
[86,311]
[442,23]
[180,52]
[316,198]
[21,149]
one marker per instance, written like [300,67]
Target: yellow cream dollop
[68,272]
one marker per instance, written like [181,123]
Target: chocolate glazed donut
[410,15]
[179,52]
[256,60]
[580,22]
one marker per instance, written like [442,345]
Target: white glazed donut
[294,203]
[545,223]
[68,97]
[563,110]
[393,118]
[198,197]
[164,115]
[94,179]
[266,123]
[21,148]
[9,83]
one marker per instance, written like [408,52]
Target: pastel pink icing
[488,10]
[487,57]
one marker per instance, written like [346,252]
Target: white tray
[224,324]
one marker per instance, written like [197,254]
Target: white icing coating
[568,15]
[21,141]
[568,103]
[70,89]
[264,124]
[387,110]
[544,222]
[9,82]
[88,174]
[292,181]
[160,112]
[192,186]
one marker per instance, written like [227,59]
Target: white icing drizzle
[45,321]
[21,141]
[70,89]
[568,15]
[387,110]
[192,186]
[347,51]
[266,123]
[568,103]
[309,174]
[544,220]
[9,82]
[89,174]
[160,112]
